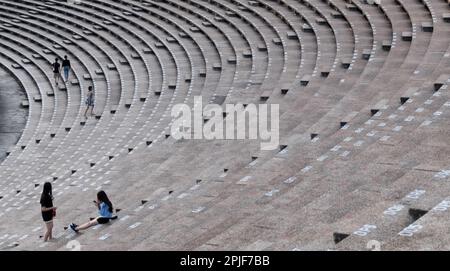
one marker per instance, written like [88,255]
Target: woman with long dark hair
[90,102]
[48,210]
[105,210]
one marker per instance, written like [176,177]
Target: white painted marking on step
[397,128]
[104,237]
[290,180]
[442,206]
[271,193]
[166,198]
[36,229]
[245,179]
[426,123]
[182,195]
[416,194]
[394,210]
[306,169]
[365,230]
[336,148]
[443,174]
[125,218]
[410,230]
[134,226]
[198,210]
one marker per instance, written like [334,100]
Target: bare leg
[92,111]
[87,225]
[50,237]
[48,233]
[85,112]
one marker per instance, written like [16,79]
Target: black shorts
[103,220]
[47,216]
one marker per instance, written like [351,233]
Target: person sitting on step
[105,209]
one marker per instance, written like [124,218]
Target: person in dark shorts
[90,102]
[48,210]
[56,71]
[66,68]
[105,209]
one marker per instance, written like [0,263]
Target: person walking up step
[56,71]
[66,68]
[90,101]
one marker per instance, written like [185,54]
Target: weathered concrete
[13,117]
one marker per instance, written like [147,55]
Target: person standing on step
[105,210]
[90,101]
[66,68]
[56,71]
[48,210]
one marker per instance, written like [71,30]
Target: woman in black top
[56,68]
[47,209]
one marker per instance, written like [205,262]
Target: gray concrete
[13,117]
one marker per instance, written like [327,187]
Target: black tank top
[56,66]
